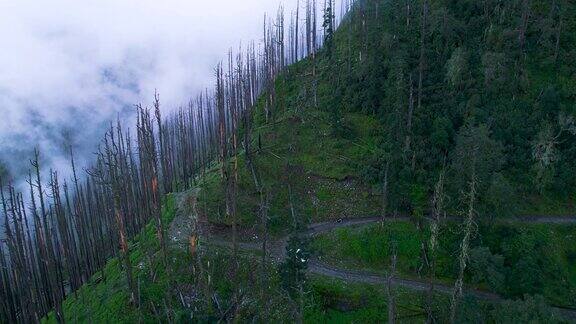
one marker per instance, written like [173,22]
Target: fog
[69,67]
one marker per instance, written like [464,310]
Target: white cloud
[67,67]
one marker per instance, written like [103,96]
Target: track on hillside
[277,250]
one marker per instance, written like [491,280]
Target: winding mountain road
[277,250]
[185,224]
[318,228]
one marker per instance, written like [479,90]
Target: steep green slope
[480,93]
[304,168]
[340,120]
[474,74]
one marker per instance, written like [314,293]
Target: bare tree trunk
[465,244]
[167,181]
[558,34]
[50,264]
[292,209]
[385,192]
[314,39]
[524,24]
[390,288]
[423,32]
[300,314]
[438,210]
[410,114]
[408,13]
[297,33]
[124,250]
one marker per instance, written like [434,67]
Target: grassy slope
[536,258]
[105,298]
[338,302]
[300,155]
[327,301]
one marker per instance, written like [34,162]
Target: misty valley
[362,161]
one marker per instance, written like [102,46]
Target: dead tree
[437,214]
[421,64]
[410,115]
[465,244]
[297,33]
[390,289]
[149,167]
[523,24]
[110,158]
[163,159]
[49,260]
[385,192]
[72,235]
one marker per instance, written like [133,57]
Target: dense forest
[407,161]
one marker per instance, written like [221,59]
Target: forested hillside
[410,161]
[479,89]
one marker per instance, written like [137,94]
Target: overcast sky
[67,67]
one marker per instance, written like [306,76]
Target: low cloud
[68,67]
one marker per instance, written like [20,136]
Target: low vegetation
[512,260]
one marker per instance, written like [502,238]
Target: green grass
[320,173]
[198,279]
[335,301]
[301,163]
[549,206]
[106,298]
[369,247]
[536,257]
